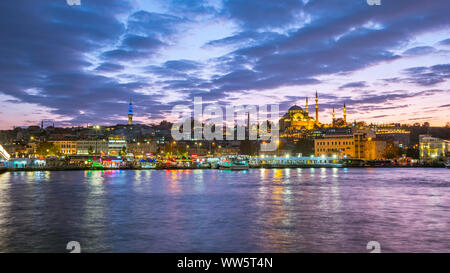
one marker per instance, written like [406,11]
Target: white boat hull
[234,167]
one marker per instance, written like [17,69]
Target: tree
[413,153]
[123,152]
[47,149]
[305,146]
[181,149]
[391,151]
[247,147]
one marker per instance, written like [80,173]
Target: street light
[213,144]
[278,146]
[198,144]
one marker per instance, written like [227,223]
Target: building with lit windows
[432,148]
[145,148]
[393,132]
[339,142]
[116,144]
[66,147]
[344,143]
[92,147]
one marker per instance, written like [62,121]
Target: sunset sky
[81,64]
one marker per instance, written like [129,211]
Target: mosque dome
[295,108]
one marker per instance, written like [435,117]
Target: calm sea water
[260,210]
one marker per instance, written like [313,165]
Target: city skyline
[79,64]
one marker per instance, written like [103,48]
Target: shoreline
[3,170]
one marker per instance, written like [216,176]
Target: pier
[295,162]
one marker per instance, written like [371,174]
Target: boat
[148,163]
[447,164]
[378,163]
[353,162]
[234,167]
[234,163]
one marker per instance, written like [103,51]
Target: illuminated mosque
[297,122]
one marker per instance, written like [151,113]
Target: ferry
[234,163]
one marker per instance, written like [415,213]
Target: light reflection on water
[260,210]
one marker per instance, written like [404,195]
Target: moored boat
[447,164]
[234,167]
[234,163]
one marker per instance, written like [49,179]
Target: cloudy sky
[81,64]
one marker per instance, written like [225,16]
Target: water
[260,210]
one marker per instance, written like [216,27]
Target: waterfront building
[393,132]
[18,148]
[348,143]
[66,147]
[338,142]
[116,145]
[373,148]
[92,147]
[21,163]
[141,149]
[431,148]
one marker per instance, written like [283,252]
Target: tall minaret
[248,126]
[130,113]
[317,109]
[307,107]
[333,116]
[345,115]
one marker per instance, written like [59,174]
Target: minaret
[333,116]
[345,115]
[307,107]
[248,126]
[317,109]
[130,113]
